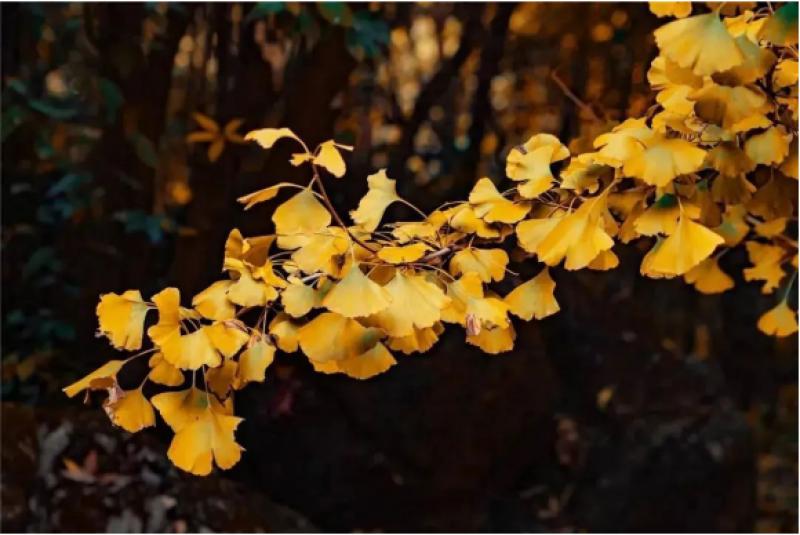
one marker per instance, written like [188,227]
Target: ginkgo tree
[712,166]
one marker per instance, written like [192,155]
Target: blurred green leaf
[262,9]
[145,150]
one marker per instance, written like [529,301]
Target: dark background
[642,406]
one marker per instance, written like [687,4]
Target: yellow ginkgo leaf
[671,9]
[322,251]
[521,164]
[415,303]
[331,159]
[164,373]
[661,217]
[469,307]
[262,195]
[663,160]
[785,73]
[766,260]
[381,194]
[769,147]
[417,230]
[298,299]
[266,137]
[625,141]
[169,317]
[356,295]
[733,228]
[285,332]
[254,361]
[584,172]
[492,207]
[364,366]
[494,341]
[708,278]
[737,109]
[131,411]
[756,62]
[729,160]
[206,123]
[578,237]
[605,261]
[778,321]
[686,247]
[121,318]
[488,264]
[770,229]
[212,303]
[464,219]
[103,377]
[249,292]
[702,43]
[298,219]
[420,340]
[182,407]
[534,298]
[665,73]
[331,336]
[210,437]
[220,380]
[531,232]
[403,254]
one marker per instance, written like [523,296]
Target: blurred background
[642,406]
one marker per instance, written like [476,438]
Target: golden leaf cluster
[712,166]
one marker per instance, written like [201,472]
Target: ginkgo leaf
[121,318]
[531,232]
[757,61]
[246,291]
[381,194]
[708,278]
[781,27]
[665,73]
[298,219]
[661,217]
[738,109]
[322,250]
[331,336]
[164,373]
[356,295]
[464,219]
[778,321]
[663,160]
[415,303]
[534,298]
[180,408]
[131,411]
[729,160]
[169,317]
[625,141]
[768,147]
[298,299]
[420,340]
[488,264]
[584,172]
[210,437]
[770,229]
[604,261]
[733,228]
[254,361]
[785,73]
[404,253]
[262,195]
[492,207]
[220,380]
[205,122]
[521,164]
[285,332]
[266,137]
[470,307]
[671,9]
[766,260]
[494,341]
[701,42]
[686,247]
[364,366]
[212,303]
[331,159]
[576,238]
[103,377]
